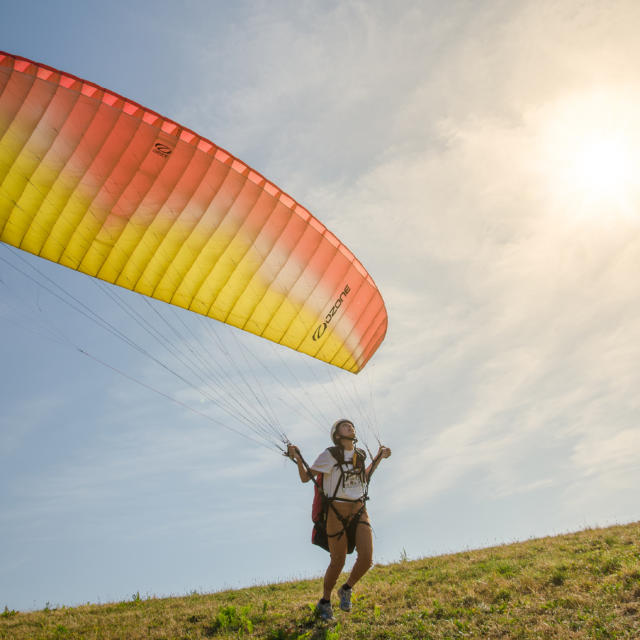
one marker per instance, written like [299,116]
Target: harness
[323,502]
[351,522]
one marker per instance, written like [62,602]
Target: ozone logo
[320,329]
[317,334]
[162,149]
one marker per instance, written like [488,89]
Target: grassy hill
[580,585]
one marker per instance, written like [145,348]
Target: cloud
[620,450]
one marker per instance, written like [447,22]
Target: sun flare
[591,155]
[602,166]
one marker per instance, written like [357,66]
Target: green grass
[581,585]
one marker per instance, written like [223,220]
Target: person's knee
[337,560]
[365,558]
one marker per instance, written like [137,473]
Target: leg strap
[346,522]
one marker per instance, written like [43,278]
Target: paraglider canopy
[100,184]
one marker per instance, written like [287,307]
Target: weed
[502,595]
[505,569]
[610,565]
[558,576]
[61,632]
[333,634]
[231,619]
[438,612]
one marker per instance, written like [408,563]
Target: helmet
[335,426]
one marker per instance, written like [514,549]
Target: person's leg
[364,548]
[338,551]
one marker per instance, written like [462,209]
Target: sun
[602,166]
[590,154]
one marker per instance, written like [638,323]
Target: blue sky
[481,161]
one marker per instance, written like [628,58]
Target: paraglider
[341,522]
[98,183]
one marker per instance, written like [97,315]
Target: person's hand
[385,452]
[292,452]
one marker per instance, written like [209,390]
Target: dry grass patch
[581,585]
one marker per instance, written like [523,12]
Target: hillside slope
[580,585]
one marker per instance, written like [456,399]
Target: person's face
[347,429]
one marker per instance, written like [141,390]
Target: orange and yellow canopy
[98,183]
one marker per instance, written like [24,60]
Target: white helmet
[335,426]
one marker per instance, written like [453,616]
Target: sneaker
[345,599]
[324,611]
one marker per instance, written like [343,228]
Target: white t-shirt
[351,488]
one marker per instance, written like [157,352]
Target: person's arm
[294,453]
[383,452]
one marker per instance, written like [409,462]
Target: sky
[481,160]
